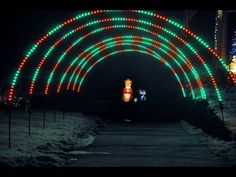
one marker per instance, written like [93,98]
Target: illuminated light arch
[140,51]
[123,42]
[37,71]
[57,28]
[110,27]
[88,34]
[87,51]
[154,43]
[172,34]
[115,40]
[133,50]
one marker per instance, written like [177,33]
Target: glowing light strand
[60,26]
[124,42]
[133,50]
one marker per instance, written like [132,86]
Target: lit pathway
[163,144]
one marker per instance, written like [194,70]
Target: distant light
[220,13]
[232,66]
[127,120]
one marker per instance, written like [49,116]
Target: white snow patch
[229,104]
[45,147]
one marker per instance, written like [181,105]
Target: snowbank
[229,104]
[45,147]
[221,148]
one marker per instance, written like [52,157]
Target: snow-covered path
[158,144]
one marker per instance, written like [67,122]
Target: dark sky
[19,29]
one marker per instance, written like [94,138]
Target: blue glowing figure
[142,94]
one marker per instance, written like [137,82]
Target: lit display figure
[127,94]
[232,65]
[142,94]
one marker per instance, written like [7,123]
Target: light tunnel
[125,43]
[117,26]
[161,37]
[145,40]
[32,84]
[142,49]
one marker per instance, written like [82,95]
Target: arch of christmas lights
[149,51]
[146,51]
[181,29]
[116,27]
[124,40]
[93,32]
[181,55]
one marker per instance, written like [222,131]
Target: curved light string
[115,44]
[144,40]
[127,26]
[100,29]
[140,51]
[206,67]
[122,43]
[93,32]
[58,27]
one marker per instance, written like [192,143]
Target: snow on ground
[45,147]
[221,148]
[229,104]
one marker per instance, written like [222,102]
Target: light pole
[44,116]
[29,115]
[54,105]
[221,111]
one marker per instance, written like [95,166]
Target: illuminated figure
[232,66]
[232,69]
[142,94]
[127,94]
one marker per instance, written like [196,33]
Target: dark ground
[146,144]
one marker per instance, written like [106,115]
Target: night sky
[19,29]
